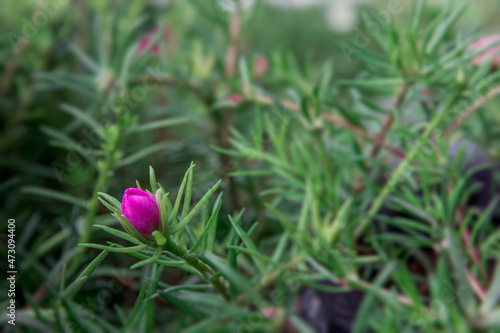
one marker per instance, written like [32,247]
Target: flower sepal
[159,238]
[131,230]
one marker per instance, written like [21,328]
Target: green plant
[335,161]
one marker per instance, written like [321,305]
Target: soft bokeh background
[70,58]
[311,30]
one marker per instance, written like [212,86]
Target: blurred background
[47,47]
[64,64]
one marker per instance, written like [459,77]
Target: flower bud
[145,41]
[235,98]
[492,54]
[260,66]
[141,210]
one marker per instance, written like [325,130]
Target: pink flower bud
[145,41]
[141,210]
[235,98]
[269,312]
[492,53]
[260,66]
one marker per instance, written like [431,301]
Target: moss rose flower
[141,210]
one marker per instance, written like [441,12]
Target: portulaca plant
[358,161]
[155,224]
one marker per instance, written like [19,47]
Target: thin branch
[362,133]
[234,41]
[270,278]
[403,167]
[476,286]
[466,238]
[198,264]
[403,300]
[339,122]
[231,66]
[473,108]
[11,67]
[173,81]
[389,119]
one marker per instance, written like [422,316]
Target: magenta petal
[145,41]
[235,98]
[155,50]
[140,208]
[143,44]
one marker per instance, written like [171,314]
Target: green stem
[93,205]
[270,278]
[394,180]
[389,119]
[156,272]
[195,262]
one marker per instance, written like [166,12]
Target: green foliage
[311,135]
